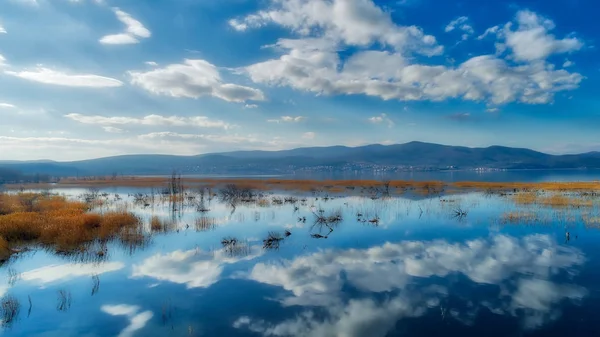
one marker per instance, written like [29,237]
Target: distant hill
[409,156]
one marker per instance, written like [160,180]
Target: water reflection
[195,268]
[305,266]
[520,268]
[137,318]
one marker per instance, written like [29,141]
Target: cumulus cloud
[481,78]
[151,120]
[397,268]
[383,118]
[53,273]
[194,268]
[2,30]
[55,77]
[313,62]
[193,79]
[134,30]
[287,119]
[460,24]
[137,320]
[358,23]
[568,64]
[532,40]
[151,63]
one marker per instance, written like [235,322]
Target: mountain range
[408,156]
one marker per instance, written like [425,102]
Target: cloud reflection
[194,268]
[62,272]
[320,280]
[137,321]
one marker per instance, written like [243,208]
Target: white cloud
[489,31]
[568,64]
[359,23]
[250,106]
[383,118]
[137,321]
[53,273]
[287,119]
[119,39]
[193,79]
[532,40]
[54,77]
[151,120]
[313,62]
[2,61]
[151,63]
[309,135]
[112,129]
[195,269]
[6,106]
[481,78]
[134,29]
[461,24]
[396,269]
[2,30]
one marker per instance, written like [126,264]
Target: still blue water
[419,271]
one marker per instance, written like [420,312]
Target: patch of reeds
[552,200]
[54,221]
[204,223]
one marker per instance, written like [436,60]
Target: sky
[84,79]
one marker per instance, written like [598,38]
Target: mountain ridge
[413,155]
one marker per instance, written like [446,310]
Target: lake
[457,265]
[446,176]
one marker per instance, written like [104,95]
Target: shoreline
[313,185]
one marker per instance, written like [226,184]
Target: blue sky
[91,78]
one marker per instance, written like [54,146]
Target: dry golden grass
[553,200]
[591,221]
[421,187]
[161,225]
[526,198]
[563,201]
[519,217]
[56,222]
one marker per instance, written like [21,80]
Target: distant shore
[333,186]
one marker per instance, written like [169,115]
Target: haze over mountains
[408,156]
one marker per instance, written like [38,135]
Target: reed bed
[556,200]
[55,221]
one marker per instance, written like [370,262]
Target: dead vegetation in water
[520,217]
[9,309]
[56,222]
[273,241]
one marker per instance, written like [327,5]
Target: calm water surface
[420,271]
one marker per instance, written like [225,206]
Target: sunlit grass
[57,222]
[553,200]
